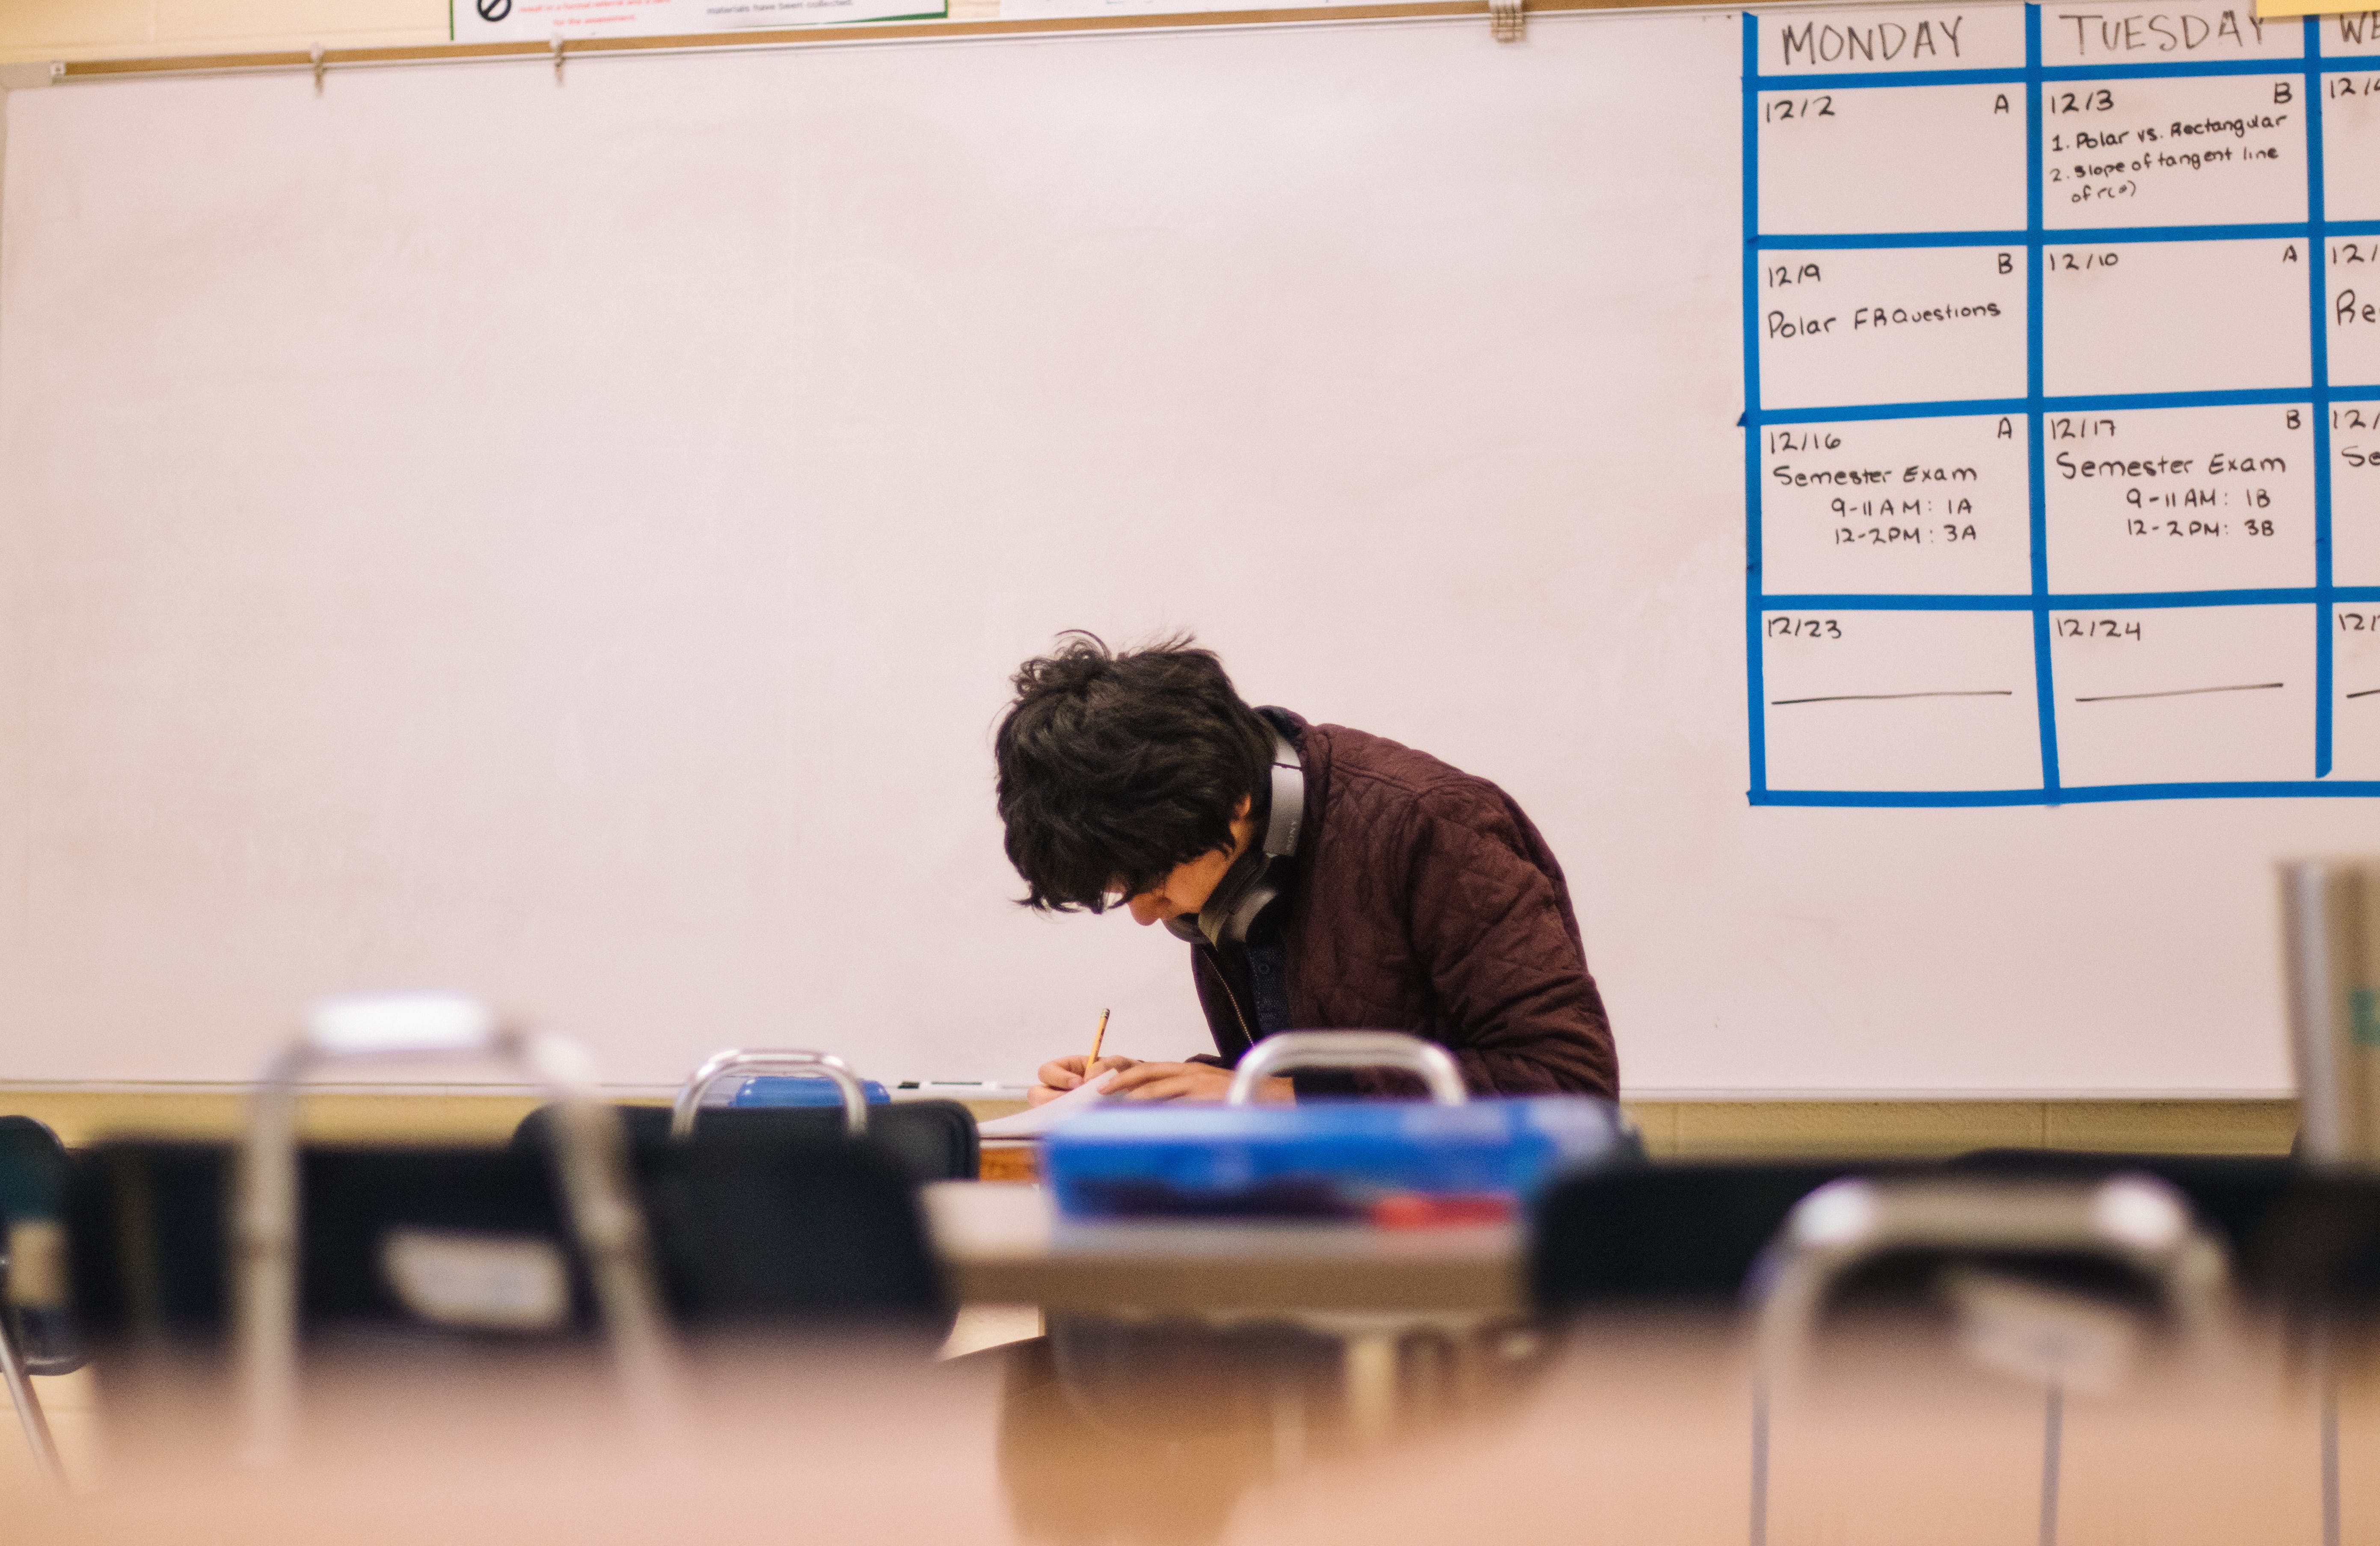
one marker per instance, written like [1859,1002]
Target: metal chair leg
[2053,1439]
[1760,1458]
[29,1406]
[2329,1376]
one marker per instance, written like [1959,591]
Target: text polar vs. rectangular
[2062,352]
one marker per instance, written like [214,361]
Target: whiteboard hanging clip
[557,59]
[318,68]
[1506,23]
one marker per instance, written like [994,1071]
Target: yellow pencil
[1097,1038]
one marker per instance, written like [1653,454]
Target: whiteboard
[568,542]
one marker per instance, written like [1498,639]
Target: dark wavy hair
[1115,766]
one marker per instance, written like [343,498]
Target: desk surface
[1005,1244]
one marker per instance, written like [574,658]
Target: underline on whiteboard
[2185,692]
[2367,692]
[1853,80]
[1822,241]
[2054,601]
[1884,697]
[1827,413]
[2070,794]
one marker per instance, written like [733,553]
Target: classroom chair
[389,1252]
[2028,1271]
[37,1334]
[1663,1235]
[1688,1233]
[2237,1197]
[194,1250]
[1864,1243]
[931,1140]
[431,1259]
[777,1215]
[392,1242]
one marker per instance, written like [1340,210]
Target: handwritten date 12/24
[2096,627]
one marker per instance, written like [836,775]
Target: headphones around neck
[1250,884]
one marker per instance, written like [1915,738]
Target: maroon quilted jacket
[1425,900]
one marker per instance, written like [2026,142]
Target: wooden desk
[1005,1244]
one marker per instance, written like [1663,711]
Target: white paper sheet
[1036,1120]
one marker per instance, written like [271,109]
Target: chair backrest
[151,1250]
[1670,1235]
[34,1169]
[472,1244]
[776,1211]
[1683,1234]
[2237,1197]
[930,1140]
[2312,1248]
[766,1232]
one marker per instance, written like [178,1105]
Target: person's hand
[1186,1081]
[1061,1074]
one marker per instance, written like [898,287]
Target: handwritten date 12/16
[2096,627]
[1782,627]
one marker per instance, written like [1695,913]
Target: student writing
[1400,893]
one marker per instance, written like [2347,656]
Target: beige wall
[39,29]
[1683,1129]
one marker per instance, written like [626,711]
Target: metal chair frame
[2135,1220]
[1349,1049]
[600,1202]
[16,1372]
[788,1061]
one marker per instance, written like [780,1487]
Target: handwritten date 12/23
[1785,627]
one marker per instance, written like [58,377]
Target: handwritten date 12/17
[1784,627]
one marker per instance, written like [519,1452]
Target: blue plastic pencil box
[1391,1161]
[802,1090]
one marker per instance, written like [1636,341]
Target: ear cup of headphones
[1252,883]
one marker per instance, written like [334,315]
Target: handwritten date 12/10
[1784,627]
[2096,627]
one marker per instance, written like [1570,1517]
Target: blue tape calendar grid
[2042,601]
